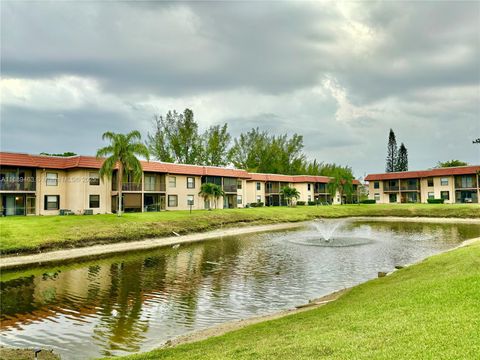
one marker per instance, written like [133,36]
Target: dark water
[135,302]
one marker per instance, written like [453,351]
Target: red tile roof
[91,162]
[292,178]
[461,170]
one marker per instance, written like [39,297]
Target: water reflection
[134,302]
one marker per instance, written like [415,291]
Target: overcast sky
[340,74]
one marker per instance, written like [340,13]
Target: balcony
[272,188]
[158,186]
[230,188]
[465,182]
[6,185]
[387,187]
[321,189]
[130,186]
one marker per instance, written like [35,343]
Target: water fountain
[332,233]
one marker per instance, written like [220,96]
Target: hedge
[435,201]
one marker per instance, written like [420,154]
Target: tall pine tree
[391,152]
[402,159]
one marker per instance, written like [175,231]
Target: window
[52,202]
[259,186]
[239,185]
[445,195]
[376,184]
[309,187]
[430,182]
[172,181]
[259,197]
[52,179]
[431,195]
[172,200]
[94,178]
[444,181]
[309,198]
[150,182]
[190,200]
[94,201]
[190,183]
[376,197]
[239,200]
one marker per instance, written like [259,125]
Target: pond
[135,302]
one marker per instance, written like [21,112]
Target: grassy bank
[427,311]
[40,233]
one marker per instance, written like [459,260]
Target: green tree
[451,163]
[391,152]
[176,138]
[402,159]
[289,193]
[249,149]
[216,141]
[342,181]
[211,191]
[257,151]
[122,152]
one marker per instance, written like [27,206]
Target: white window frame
[444,181]
[173,197]
[51,177]
[190,181]
[172,181]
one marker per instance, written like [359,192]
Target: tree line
[176,138]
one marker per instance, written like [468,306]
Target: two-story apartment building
[49,185]
[43,185]
[454,185]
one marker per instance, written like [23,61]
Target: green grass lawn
[427,311]
[30,234]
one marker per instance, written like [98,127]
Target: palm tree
[206,191]
[341,181]
[210,190]
[122,152]
[289,193]
[217,193]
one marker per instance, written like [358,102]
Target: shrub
[257,204]
[301,203]
[435,201]
[368,201]
[312,203]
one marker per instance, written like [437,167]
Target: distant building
[453,184]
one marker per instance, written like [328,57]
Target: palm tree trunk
[120,185]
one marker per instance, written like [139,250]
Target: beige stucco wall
[384,197]
[243,193]
[304,192]
[252,192]
[74,190]
[182,192]
[42,189]
[437,188]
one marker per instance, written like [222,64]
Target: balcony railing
[17,186]
[410,187]
[156,187]
[387,187]
[129,186]
[230,188]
